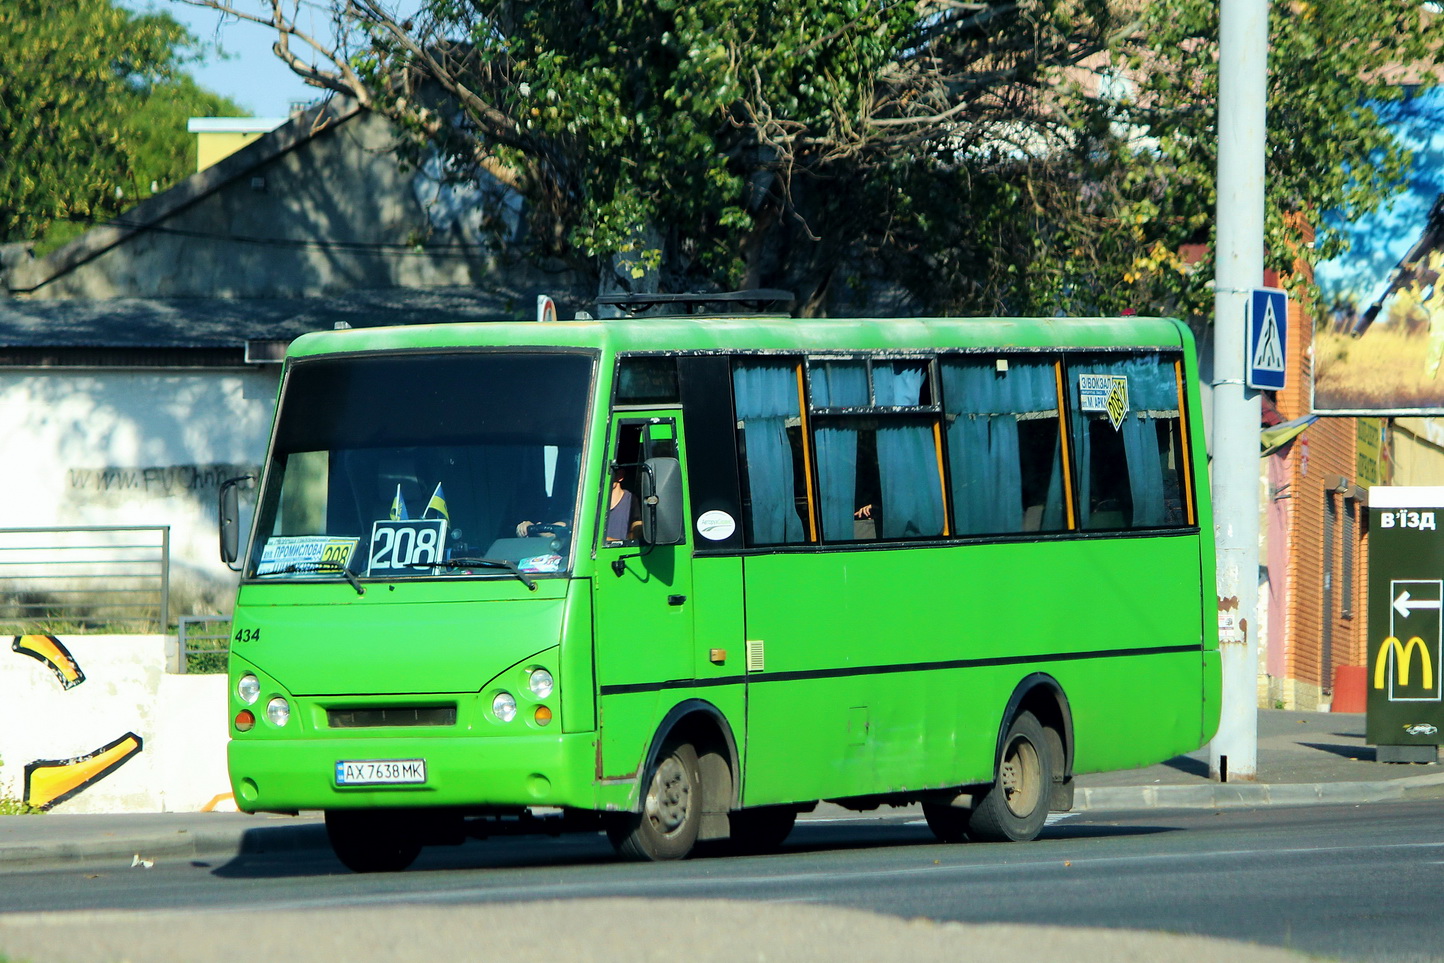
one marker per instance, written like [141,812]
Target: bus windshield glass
[424,465]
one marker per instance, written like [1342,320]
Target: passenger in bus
[865,521]
[624,513]
[624,516]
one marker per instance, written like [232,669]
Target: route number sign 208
[401,546]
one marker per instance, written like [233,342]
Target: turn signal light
[543,715]
[245,720]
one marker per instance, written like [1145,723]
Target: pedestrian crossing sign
[1267,326]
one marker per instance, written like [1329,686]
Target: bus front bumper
[288,775]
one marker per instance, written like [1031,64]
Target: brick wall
[1322,587]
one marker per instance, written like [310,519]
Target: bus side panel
[721,645]
[828,716]
[888,670]
[1131,711]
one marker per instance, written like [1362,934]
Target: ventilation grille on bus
[756,656]
[391,716]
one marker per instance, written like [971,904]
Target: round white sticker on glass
[716,525]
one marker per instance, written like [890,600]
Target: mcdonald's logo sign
[1403,656]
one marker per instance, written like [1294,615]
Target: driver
[524,529]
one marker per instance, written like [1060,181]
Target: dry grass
[1383,369]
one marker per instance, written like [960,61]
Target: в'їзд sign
[1406,623]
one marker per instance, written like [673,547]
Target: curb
[1227,795]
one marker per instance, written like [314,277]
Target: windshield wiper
[327,567]
[471,561]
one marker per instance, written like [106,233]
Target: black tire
[666,828]
[1015,807]
[371,842]
[948,823]
[762,829]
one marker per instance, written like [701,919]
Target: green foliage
[10,806]
[206,663]
[722,142]
[1330,65]
[1018,157]
[93,103]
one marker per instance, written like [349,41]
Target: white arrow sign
[1404,605]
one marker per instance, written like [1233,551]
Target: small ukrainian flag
[437,503]
[398,507]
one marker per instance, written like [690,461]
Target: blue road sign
[1268,313]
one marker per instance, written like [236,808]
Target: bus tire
[671,815]
[948,823]
[370,842]
[1015,806]
[762,829]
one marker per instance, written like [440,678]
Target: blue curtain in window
[837,385]
[907,461]
[983,450]
[1152,389]
[766,395]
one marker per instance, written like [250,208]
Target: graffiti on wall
[167,481]
[52,781]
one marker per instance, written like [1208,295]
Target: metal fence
[205,640]
[103,578]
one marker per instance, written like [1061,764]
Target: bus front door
[642,608]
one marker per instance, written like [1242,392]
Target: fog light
[278,710]
[504,705]
[245,720]
[248,687]
[543,715]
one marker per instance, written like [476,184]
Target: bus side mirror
[661,487]
[230,519]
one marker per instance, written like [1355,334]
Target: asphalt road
[1357,882]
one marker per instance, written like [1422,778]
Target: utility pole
[1242,96]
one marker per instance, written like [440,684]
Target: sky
[252,76]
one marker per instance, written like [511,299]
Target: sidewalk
[1303,757]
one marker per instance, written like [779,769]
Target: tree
[1031,156]
[92,107]
[1335,70]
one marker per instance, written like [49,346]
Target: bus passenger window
[877,473]
[1127,429]
[769,440]
[1004,452]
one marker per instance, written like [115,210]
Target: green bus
[681,578]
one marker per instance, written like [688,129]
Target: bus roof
[757,333]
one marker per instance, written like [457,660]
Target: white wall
[135,447]
[180,721]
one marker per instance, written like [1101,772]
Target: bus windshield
[412,465]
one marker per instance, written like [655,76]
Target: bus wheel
[948,823]
[762,829]
[666,828]
[1016,805]
[369,842]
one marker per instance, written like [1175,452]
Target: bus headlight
[541,682]
[504,706]
[249,689]
[278,710]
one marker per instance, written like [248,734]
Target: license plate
[381,772]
